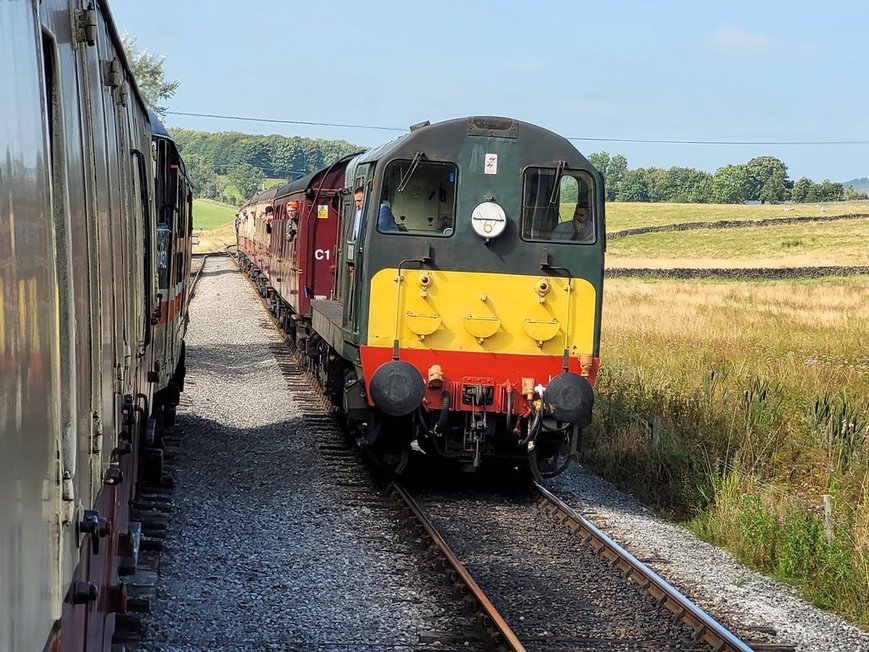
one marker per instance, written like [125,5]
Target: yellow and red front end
[505,334]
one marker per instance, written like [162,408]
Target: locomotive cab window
[418,197]
[557,205]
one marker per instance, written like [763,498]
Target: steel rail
[198,272]
[503,636]
[705,627]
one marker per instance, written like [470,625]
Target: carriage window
[561,212]
[418,197]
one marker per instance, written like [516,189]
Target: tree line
[763,179]
[231,166]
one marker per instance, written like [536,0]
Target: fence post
[828,518]
[657,426]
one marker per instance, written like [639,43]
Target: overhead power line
[722,142]
[652,141]
[288,122]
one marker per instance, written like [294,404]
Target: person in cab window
[386,220]
[579,228]
[358,199]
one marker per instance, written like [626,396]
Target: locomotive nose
[397,388]
[569,398]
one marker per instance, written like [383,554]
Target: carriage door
[354,235]
[324,231]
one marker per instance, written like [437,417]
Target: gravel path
[709,576]
[264,551]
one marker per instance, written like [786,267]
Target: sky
[788,78]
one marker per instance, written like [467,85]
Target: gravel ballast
[712,578]
[264,551]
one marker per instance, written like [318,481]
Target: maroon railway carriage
[289,235]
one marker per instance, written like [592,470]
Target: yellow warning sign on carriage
[323,211]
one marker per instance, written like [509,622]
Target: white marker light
[488,220]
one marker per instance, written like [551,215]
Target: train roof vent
[420,125]
[493,127]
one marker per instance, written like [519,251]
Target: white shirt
[357,223]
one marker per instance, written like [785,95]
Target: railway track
[197,266]
[554,594]
[704,627]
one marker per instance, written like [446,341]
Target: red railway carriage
[290,236]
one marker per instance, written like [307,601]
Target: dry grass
[762,389]
[216,239]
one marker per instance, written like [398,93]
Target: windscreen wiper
[559,170]
[407,175]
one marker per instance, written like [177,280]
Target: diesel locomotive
[445,289]
[95,223]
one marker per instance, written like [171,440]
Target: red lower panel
[503,370]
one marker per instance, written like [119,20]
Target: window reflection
[561,212]
[420,200]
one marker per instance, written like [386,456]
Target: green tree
[730,185]
[150,75]
[248,179]
[634,186]
[852,194]
[800,191]
[205,182]
[657,183]
[828,191]
[682,185]
[767,179]
[612,168]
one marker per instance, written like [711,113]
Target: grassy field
[208,214]
[216,239]
[787,245]
[625,215]
[212,225]
[735,407]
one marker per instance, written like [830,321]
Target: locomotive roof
[157,127]
[431,135]
[265,195]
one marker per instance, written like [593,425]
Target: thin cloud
[737,41]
